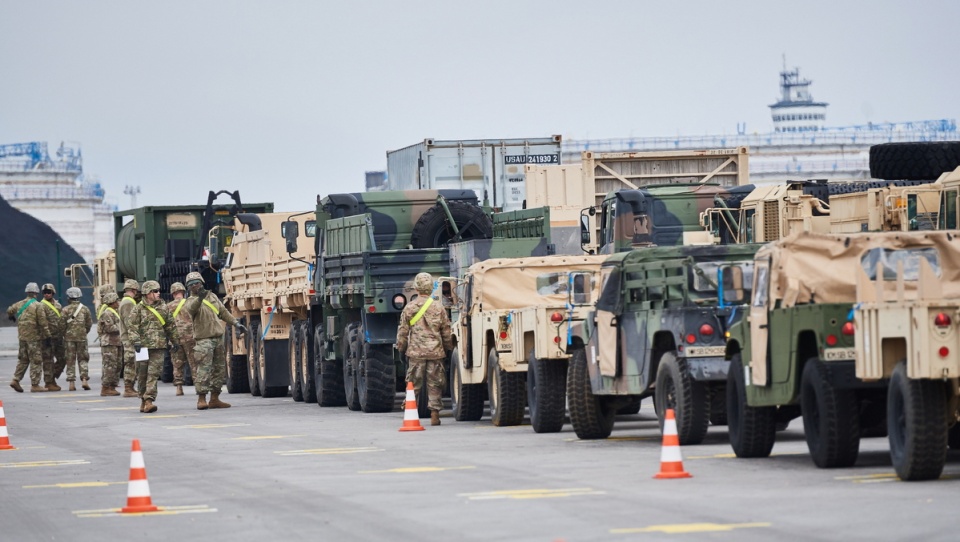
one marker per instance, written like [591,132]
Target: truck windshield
[551,284]
[706,273]
[890,259]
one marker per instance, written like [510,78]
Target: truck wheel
[676,390]
[236,367]
[718,403]
[752,430]
[831,418]
[307,369]
[546,393]
[329,379]
[350,346]
[266,348]
[507,401]
[466,400]
[917,424]
[166,374]
[293,360]
[253,350]
[915,161]
[433,231]
[633,407]
[376,379]
[591,415]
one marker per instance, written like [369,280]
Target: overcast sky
[285,100]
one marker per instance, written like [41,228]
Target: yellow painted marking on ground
[882,477]
[330,451]
[205,426]
[733,456]
[265,437]
[531,493]
[158,416]
[87,401]
[687,528]
[74,485]
[163,511]
[115,408]
[413,470]
[25,464]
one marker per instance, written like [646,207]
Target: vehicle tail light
[556,317]
[371,309]
[706,329]
[556,339]
[399,301]
[848,329]
[944,351]
[503,334]
[831,340]
[941,320]
[691,338]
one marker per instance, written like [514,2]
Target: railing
[51,167]
[54,192]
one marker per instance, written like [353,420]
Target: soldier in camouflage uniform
[425,337]
[183,352]
[111,347]
[131,295]
[52,346]
[78,322]
[152,327]
[208,313]
[32,329]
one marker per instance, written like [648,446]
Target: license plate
[704,351]
[838,354]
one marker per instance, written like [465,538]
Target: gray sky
[287,99]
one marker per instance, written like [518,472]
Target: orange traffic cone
[411,417]
[4,439]
[138,490]
[671,463]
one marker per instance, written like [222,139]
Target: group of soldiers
[191,328]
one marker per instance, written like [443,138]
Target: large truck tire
[307,367]
[466,400]
[546,393]
[591,415]
[433,230]
[677,390]
[293,362]
[917,425]
[351,346]
[831,418]
[329,379]
[752,430]
[919,161]
[253,351]
[376,380]
[237,379]
[276,351]
[507,394]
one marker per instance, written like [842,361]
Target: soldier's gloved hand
[137,348]
[241,328]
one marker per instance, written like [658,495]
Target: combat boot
[37,389]
[73,386]
[179,389]
[109,391]
[15,384]
[434,417]
[202,401]
[85,383]
[142,403]
[149,407]
[52,386]
[215,401]
[128,391]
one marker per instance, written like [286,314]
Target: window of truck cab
[761,283]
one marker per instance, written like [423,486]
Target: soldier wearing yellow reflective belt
[151,327]
[52,345]
[183,352]
[131,296]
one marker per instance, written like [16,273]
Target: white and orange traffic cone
[4,438]
[671,462]
[138,490]
[411,416]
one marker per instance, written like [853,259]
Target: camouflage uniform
[127,305]
[426,341]
[78,322]
[53,347]
[151,329]
[208,315]
[184,354]
[111,347]
[32,329]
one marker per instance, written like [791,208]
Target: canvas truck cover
[511,283]
[823,268]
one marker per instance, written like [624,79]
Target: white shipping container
[493,168]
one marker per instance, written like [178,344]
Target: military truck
[908,303]
[513,331]
[658,329]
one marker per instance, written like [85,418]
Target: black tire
[920,161]
[293,362]
[265,390]
[253,350]
[466,400]
[831,418]
[916,410]
[433,231]
[329,379]
[633,407]
[752,430]
[546,393]
[307,367]
[350,365]
[507,393]
[718,403]
[237,380]
[166,374]
[376,380]
[591,415]
[688,398]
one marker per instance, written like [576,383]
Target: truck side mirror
[732,284]
[290,231]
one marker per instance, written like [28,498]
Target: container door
[459,168]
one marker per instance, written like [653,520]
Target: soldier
[183,352]
[131,293]
[207,312]
[53,345]
[425,337]
[151,326]
[32,329]
[78,322]
[111,347]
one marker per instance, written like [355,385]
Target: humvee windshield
[710,270]
[889,259]
[549,284]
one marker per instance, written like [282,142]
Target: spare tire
[434,231]
[925,160]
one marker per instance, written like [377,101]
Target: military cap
[110,297]
[32,288]
[423,283]
[74,293]
[50,287]
[150,286]
[193,276]
[131,284]
[177,287]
